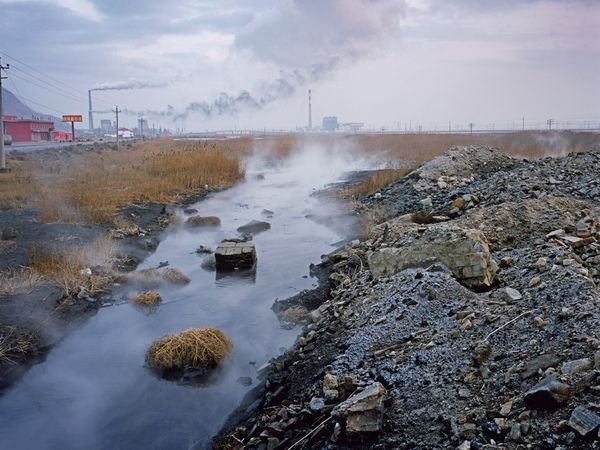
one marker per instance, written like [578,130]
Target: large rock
[254,227]
[548,393]
[235,255]
[363,411]
[464,251]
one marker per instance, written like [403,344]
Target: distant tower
[91,111]
[309,110]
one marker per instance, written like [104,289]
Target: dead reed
[191,348]
[375,182]
[15,343]
[69,267]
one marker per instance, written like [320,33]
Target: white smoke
[306,40]
[129,84]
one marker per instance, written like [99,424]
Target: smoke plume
[129,84]
[307,40]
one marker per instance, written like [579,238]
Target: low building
[125,133]
[33,130]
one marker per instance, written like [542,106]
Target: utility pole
[117,111]
[523,123]
[2,157]
[471,127]
[550,123]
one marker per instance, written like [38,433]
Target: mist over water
[93,391]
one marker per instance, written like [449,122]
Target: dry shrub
[191,348]
[15,343]
[68,267]
[147,298]
[175,276]
[18,281]
[199,221]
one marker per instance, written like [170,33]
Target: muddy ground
[36,318]
[468,319]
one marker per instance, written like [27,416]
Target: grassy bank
[89,186]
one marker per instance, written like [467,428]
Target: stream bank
[467,320]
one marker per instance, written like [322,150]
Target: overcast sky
[216,64]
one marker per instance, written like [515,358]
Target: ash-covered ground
[466,320]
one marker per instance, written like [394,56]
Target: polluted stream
[94,390]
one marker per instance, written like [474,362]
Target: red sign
[76,118]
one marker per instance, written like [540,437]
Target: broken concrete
[235,255]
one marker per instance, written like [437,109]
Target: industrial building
[330,123]
[33,130]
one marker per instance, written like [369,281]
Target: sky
[196,65]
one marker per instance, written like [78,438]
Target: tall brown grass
[375,182]
[91,186]
[69,268]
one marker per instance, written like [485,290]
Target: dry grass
[375,182]
[18,281]
[147,298]
[68,268]
[91,186]
[191,348]
[15,343]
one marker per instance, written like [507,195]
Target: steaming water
[93,390]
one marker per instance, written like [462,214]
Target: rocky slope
[469,319]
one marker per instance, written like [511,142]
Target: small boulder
[584,421]
[203,221]
[548,393]
[363,411]
[254,227]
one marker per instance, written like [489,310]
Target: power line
[55,85]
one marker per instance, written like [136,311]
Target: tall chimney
[309,110]
[91,111]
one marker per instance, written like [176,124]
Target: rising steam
[308,40]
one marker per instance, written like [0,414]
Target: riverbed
[94,391]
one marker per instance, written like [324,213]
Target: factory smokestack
[309,110]
[91,111]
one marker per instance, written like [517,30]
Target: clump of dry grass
[147,298]
[203,221]
[191,348]
[175,276]
[375,182]
[15,343]
[18,281]
[69,267]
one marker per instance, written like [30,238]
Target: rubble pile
[468,320]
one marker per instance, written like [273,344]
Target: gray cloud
[308,39]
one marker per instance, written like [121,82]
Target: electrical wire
[56,83]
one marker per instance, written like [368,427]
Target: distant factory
[331,124]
